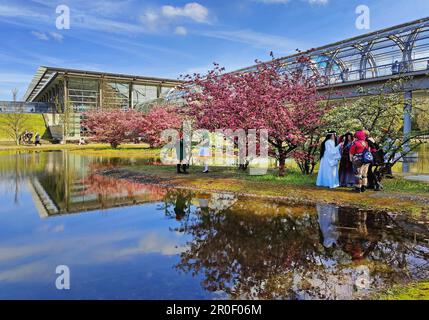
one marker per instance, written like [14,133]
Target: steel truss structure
[397,50]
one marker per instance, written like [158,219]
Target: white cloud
[257,39]
[162,19]
[322,2]
[193,10]
[151,20]
[272,1]
[46,36]
[15,11]
[56,36]
[318,1]
[181,31]
[96,23]
[40,35]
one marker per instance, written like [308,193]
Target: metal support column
[130,96]
[100,93]
[408,108]
[66,113]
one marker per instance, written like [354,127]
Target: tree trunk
[282,162]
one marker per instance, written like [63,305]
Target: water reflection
[300,252]
[142,241]
[418,163]
[63,182]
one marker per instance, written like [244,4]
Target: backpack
[367,157]
[363,158]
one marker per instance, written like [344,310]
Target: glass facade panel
[115,95]
[143,94]
[165,91]
[83,94]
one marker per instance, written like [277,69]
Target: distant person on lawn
[37,139]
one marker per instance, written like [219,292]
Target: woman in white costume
[205,151]
[330,155]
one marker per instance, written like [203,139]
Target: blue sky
[167,38]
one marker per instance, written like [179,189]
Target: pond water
[419,164]
[124,240]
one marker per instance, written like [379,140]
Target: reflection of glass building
[72,92]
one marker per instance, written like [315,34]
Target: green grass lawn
[294,177]
[416,291]
[35,123]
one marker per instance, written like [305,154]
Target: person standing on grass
[330,155]
[347,176]
[205,151]
[378,155]
[37,139]
[181,153]
[357,155]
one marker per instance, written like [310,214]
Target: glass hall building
[71,92]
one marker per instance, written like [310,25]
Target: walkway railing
[26,107]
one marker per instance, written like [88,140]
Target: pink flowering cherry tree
[158,119]
[285,104]
[112,126]
[119,126]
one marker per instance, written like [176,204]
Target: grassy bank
[124,151]
[34,123]
[400,195]
[416,291]
[104,150]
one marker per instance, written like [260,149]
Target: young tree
[15,122]
[306,155]
[112,126]
[285,104]
[380,113]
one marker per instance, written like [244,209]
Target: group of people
[349,161]
[183,153]
[27,137]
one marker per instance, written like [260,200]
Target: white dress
[328,220]
[328,172]
[205,152]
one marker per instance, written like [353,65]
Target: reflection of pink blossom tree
[252,255]
[106,187]
[286,104]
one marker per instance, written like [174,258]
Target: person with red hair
[357,151]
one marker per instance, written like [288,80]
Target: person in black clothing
[346,172]
[181,207]
[395,67]
[181,152]
[37,140]
[374,178]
